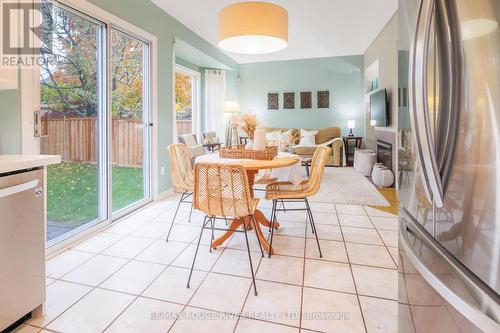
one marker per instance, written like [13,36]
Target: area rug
[346,186]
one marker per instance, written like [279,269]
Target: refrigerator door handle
[5,192]
[475,315]
[452,64]
[419,107]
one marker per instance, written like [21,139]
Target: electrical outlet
[162,171]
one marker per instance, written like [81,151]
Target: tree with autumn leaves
[183,96]
[69,85]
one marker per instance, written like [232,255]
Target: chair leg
[273,209]
[250,259]
[283,205]
[258,241]
[175,215]
[196,251]
[273,218]
[212,225]
[309,216]
[313,226]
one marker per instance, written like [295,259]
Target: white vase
[249,144]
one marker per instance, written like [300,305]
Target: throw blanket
[329,144]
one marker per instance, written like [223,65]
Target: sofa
[325,135]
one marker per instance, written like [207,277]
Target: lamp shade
[232,107]
[253,28]
[351,124]
[477,18]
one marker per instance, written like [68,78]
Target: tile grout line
[188,244]
[354,282]
[249,290]
[154,280]
[82,263]
[95,287]
[201,282]
[237,249]
[385,245]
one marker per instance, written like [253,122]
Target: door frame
[30,102]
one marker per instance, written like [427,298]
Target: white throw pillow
[286,137]
[273,136]
[307,138]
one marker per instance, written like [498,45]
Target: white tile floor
[128,279]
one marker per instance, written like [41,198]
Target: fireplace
[384,153]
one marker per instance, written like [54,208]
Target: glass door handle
[419,108]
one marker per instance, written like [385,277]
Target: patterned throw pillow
[295,136]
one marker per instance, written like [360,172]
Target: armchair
[191,143]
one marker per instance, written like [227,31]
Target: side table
[211,147]
[357,144]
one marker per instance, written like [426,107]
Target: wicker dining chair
[288,192]
[222,191]
[182,177]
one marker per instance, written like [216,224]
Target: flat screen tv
[379,109]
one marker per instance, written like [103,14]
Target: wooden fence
[75,139]
[184,127]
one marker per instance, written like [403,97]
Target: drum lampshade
[253,28]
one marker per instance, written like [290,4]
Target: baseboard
[165,194]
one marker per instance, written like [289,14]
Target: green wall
[342,76]
[147,16]
[10,122]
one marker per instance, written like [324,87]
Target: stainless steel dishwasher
[22,245]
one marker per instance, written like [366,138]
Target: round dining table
[252,167]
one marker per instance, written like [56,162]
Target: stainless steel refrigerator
[449,165]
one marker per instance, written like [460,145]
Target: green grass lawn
[72,195]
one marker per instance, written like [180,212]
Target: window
[187,101]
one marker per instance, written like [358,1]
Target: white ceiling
[317,28]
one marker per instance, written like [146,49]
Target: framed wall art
[323,99]
[273,102]
[305,100]
[289,100]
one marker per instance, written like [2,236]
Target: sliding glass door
[130,119]
[72,83]
[97,122]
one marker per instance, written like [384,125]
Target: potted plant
[249,124]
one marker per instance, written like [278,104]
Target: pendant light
[253,28]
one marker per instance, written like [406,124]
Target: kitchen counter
[10,163]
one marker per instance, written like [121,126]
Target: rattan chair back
[222,190]
[181,168]
[317,170]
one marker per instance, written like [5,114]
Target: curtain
[174,109]
[215,97]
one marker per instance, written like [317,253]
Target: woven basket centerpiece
[239,152]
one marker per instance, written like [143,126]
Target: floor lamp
[233,108]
